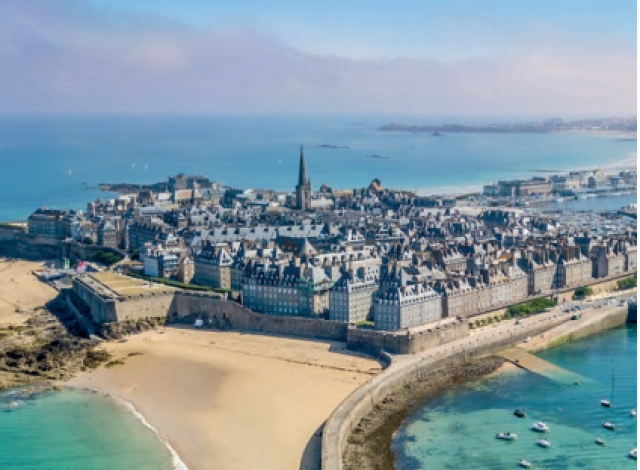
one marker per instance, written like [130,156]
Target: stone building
[299,289]
[107,235]
[48,223]
[351,299]
[213,267]
[406,307]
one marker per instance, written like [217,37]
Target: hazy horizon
[422,59]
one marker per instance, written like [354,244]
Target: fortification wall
[102,310]
[418,367]
[10,234]
[231,315]
[409,342]
[147,306]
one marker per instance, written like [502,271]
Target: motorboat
[606,403]
[540,427]
[524,464]
[601,442]
[520,414]
[634,413]
[507,436]
[543,443]
[608,425]
[633,453]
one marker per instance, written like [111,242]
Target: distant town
[618,125]
[372,257]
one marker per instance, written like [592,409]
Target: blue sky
[437,58]
[416,28]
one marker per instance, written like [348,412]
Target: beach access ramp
[528,361]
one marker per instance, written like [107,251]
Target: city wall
[420,367]
[225,314]
[409,342]
[15,242]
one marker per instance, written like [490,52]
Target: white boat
[524,464]
[608,425]
[601,442]
[633,453]
[634,413]
[507,436]
[540,427]
[544,443]
[605,403]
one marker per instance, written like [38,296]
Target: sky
[415,57]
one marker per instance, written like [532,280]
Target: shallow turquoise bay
[74,430]
[458,429]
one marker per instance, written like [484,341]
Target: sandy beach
[20,291]
[233,401]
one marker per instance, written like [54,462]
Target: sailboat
[606,402]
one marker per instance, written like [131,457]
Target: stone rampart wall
[418,367]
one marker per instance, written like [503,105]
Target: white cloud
[68,57]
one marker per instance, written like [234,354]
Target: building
[303,189]
[213,267]
[351,299]
[406,307]
[159,262]
[186,270]
[48,223]
[299,289]
[107,235]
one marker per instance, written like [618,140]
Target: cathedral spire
[302,176]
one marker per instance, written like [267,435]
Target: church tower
[303,189]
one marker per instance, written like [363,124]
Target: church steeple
[303,179]
[303,189]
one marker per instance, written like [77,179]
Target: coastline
[176,461]
[369,443]
[231,400]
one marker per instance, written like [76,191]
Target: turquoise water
[74,430]
[458,429]
[46,160]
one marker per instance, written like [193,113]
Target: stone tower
[303,189]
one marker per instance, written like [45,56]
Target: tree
[582,292]
[87,241]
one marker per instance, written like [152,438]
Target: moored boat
[520,413]
[606,403]
[634,413]
[507,436]
[544,443]
[633,453]
[601,442]
[608,425]
[524,464]
[540,427]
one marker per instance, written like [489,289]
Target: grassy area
[181,285]
[531,307]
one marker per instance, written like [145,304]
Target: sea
[58,161]
[77,430]
[457,430]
